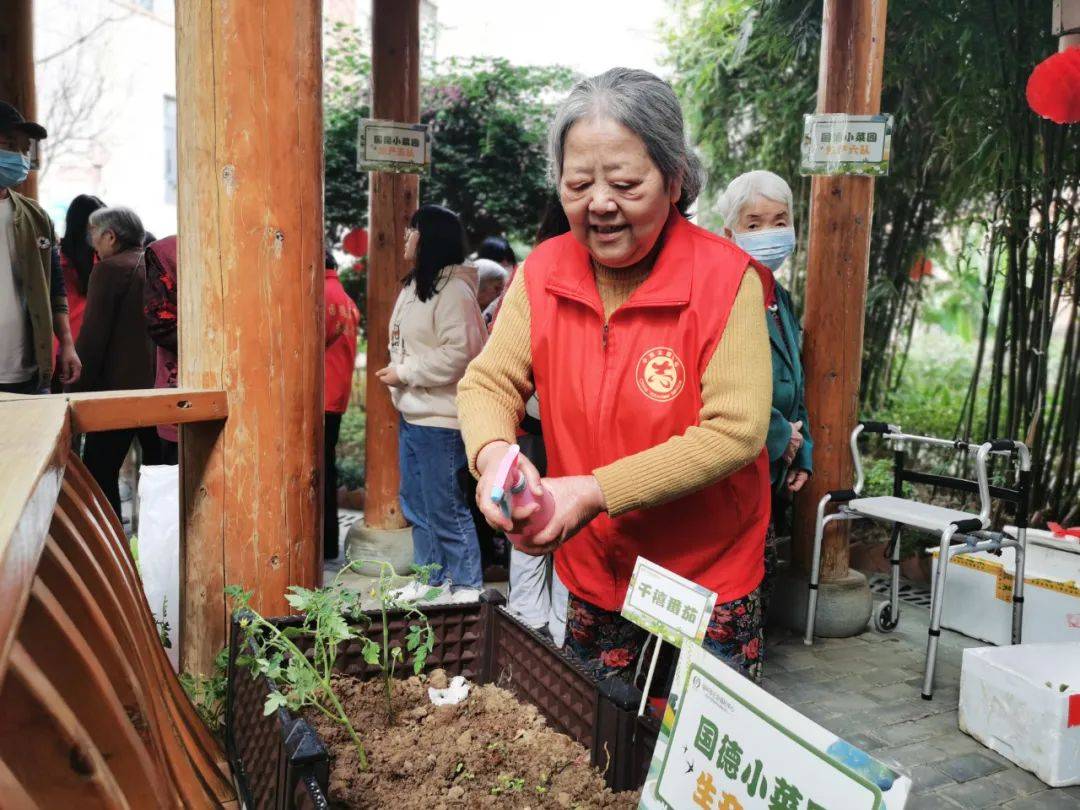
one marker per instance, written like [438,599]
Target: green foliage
[419,641]
[208,692]
[489,120]
[350,448]
[346,76]
[508,784]
[329,617]
[163,626]
[489,124]
[931,396]
[301,681]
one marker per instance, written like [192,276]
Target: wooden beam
[17,68]
[841,210]
[94,411]
[395,80]
[249,94]
[113,410]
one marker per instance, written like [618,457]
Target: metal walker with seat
[972,530]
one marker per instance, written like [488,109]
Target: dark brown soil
[491,750]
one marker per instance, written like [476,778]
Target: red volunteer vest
[607,392]
[342,323]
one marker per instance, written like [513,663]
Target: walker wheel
[884,621]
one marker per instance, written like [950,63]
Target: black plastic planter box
[280,763]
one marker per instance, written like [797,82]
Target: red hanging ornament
[356,242]
[1053,89]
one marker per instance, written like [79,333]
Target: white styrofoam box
[1023,701]
[978,592]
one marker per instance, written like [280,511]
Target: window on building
[170,150]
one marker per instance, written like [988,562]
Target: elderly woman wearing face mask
[643,336]
[756,209]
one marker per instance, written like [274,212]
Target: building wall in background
[106,85]
[106,88]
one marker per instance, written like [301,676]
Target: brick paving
[867,690]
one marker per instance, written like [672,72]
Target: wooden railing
[91,713]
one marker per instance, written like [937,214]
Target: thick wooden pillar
[17,68]
[841,209]
[249,93]
[395,71]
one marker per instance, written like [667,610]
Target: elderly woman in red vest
[645,338]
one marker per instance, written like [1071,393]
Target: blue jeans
[432,500]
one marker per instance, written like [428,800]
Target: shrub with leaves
[420,639]
[330,616]
[207,692]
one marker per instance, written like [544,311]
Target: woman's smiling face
[614,196]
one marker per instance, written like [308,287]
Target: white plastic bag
[159,550]
[456,692]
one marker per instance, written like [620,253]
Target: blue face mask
[770,246]
[14,166]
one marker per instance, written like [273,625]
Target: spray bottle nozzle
[508,480]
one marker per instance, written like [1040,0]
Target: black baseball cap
[12,119]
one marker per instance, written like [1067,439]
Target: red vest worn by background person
[607,392]
[342,323]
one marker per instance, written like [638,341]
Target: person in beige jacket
[436,329]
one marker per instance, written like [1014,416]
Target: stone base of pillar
[843,607]
[388,545]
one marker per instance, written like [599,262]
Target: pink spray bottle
[511,490]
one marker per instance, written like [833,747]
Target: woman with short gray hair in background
[114,344]
[643,337]
[757,211]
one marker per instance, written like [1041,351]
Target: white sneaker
[465,596]
[418,592]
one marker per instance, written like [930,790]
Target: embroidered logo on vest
[660,374]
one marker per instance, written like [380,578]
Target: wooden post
[395,71]
[249,93]
[17,68]
[841,208]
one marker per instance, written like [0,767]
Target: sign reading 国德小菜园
[726,744]
[836,143]
[666,604]
[386,146]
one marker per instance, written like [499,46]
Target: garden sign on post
[835,143]
[729,744]
[386,146]
[670,607]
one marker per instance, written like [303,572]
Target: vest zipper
[608,557]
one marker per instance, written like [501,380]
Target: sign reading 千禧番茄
[386,146]
[836,143]
[728,744]
[666,604]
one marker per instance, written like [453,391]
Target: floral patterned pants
[610,645]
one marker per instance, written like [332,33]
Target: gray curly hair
[647,106]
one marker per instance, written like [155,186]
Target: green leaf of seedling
[274,701]
[238,595]
[396,653]
[431,594]
[302,598]
[371,652]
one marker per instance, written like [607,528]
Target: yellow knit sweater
[736,392]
